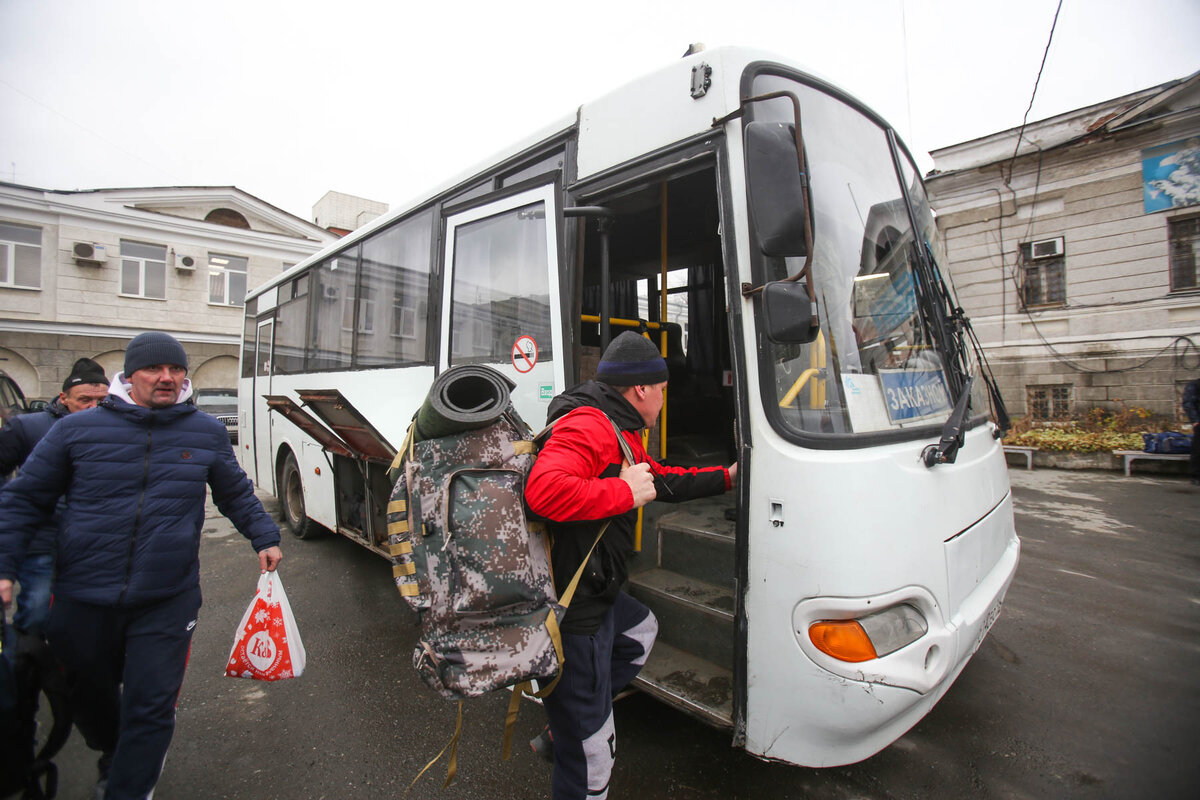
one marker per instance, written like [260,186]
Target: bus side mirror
[789,315]
[777,188]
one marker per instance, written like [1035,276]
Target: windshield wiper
[953,329]
[962,328]
[946,450]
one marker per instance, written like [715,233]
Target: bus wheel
[291,497]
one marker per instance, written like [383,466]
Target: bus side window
[395,275]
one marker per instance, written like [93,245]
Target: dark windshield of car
[12,399]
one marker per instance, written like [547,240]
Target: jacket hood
[120,387]
[56,408]
[119,400]
[601,396]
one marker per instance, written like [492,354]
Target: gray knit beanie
[630,360]
[151,348]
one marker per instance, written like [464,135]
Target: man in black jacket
[33,669]
[83,389]
[581,479]
[1191,407]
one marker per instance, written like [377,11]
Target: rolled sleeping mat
[462,399]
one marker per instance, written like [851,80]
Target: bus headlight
[872,636]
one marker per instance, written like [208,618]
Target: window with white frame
[226,280]
[406,312]
[143,270]
[366,311]
[1043,275]
[1048,402]
[1184,237]
[20,256]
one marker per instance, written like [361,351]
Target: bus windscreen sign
[911,395]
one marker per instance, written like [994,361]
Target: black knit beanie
[151,348]
[84,371]
[630,360]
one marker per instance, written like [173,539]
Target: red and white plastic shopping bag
[267,645]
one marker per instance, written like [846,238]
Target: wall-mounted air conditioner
[1046,248]
[330,292]
[88,253]
[182,262]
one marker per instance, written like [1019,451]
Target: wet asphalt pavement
[1087,687]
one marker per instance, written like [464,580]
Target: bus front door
[501,300]
[261,422]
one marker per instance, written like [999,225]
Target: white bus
[820,610]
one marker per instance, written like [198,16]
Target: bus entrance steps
[686,577]
[698,687]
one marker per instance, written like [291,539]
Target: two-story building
[83,272]
[1075,252]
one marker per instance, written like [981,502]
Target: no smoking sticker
[524,353]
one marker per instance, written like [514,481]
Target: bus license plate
[988,621]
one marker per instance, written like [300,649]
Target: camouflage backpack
[469,562]
[475,568]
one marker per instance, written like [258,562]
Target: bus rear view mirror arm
[777,177]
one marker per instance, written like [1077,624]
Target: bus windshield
[875,365]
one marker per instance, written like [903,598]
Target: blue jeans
[36,576]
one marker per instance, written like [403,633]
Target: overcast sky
[287,100]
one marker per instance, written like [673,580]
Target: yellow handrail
[816,359]
[624,323]
[790,397]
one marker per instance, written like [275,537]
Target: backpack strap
[452,746]
[405,451]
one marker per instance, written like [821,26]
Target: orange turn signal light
[845,640]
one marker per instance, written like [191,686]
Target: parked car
[222,404]
[12,399]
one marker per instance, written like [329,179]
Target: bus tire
[291,500]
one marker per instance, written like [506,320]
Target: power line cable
[1036,81]
[174,178]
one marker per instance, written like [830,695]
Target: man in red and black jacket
[579,482]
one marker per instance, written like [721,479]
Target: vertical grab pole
[604,220]
[605,300]
[662,318]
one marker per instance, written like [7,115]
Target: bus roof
[677,115]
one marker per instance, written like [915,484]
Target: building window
[1184,238]
[408,320]
[1048,402]
[226,280]
[20,256]
[364,302]
[143,270]
[1043,278]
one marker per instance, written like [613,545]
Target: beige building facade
[83,272]
[1075,253]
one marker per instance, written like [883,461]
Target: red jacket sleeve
[564,484]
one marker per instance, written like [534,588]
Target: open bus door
[501,296]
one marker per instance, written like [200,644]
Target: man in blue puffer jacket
[127,592]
